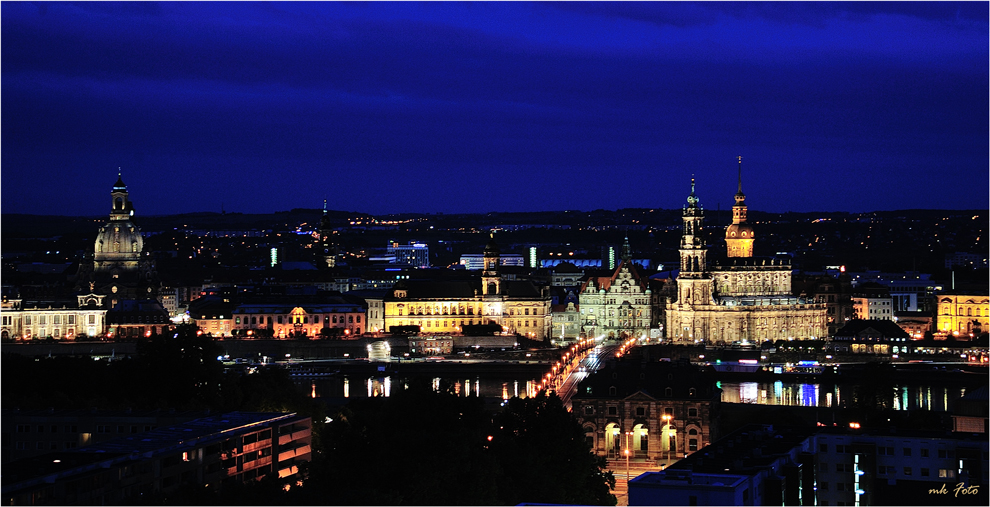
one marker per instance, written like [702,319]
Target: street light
[627,457]
[666,432]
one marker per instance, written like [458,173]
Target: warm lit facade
[445,307]
[872,308]
[616,306]
[21,320]
[962,314]
[283,320]
[739,236]
[744,299]
[668,409]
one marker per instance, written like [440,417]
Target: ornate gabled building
[616,306]
[447,306]
[741,298]
[119,268]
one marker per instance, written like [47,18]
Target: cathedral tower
[692,250]
[693,283]
[739,236]
[490,279]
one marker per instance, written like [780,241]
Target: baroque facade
[658,409]
[616,306]
[62,320]
[741,298]
[447,306]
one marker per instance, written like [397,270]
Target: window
[359,318]
[942,454]
[945,473]
[613,411]
[54,429]
[692,412]
[611,391]
[907,470]
[823,448]
[924,472]
[924,453]
[907,451]
[692,444]
[640,411]
[823,467]
[589,410]
[824,486]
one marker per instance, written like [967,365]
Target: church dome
[739,231]
[491,249]
[118,240]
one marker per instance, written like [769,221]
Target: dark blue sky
[476,107]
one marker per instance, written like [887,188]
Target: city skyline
[469,108]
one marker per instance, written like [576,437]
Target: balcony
[288,454]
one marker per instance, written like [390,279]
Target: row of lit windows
[55,320]
[301,319]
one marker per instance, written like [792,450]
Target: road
[585,364]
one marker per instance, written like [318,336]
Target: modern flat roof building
[211,452]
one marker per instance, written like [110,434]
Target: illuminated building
[413,254]
[341,319]
[616,306]
[60,320]
[741,298]
[119,267]
[447,306]
[668,409]
[212,452]
[137,318]
[962,314]
[870,337]
[739,236]
[566,322]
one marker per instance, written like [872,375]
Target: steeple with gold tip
[740,235]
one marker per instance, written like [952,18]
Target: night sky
[477,107]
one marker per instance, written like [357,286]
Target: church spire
[692,198]
[740,196]
[324,206]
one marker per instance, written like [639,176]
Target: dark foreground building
[211,452]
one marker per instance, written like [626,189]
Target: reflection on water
[899,397]
[495,387]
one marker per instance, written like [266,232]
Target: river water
[356,386]
[898,397]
